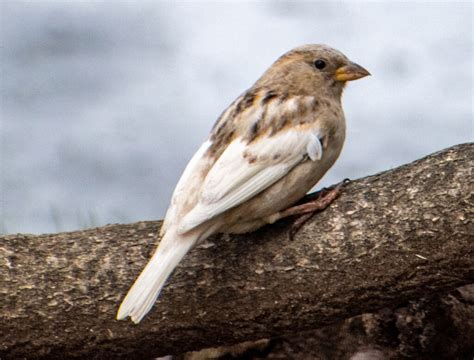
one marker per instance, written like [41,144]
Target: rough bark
[399,235]
[440,327]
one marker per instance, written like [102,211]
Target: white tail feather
[147,287]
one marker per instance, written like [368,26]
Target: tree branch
[439,327]
[399,235]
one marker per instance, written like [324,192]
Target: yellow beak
[351,71]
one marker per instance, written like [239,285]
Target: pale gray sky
[103,103]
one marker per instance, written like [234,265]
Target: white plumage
[233,179]
[264,153]
[147,287]
[230,181]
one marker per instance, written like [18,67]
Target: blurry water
[102,104]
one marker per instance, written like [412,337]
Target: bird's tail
[147,287]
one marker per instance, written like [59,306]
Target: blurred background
[103,103]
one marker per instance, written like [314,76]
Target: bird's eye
[320,64]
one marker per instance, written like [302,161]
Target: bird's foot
[312,204]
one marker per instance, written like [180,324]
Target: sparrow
[264,153]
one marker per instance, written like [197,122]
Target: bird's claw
[317,202]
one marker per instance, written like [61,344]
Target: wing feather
[192,168]
[244,170]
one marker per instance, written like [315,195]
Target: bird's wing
[196,165]
[244,170]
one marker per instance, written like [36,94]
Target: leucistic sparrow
[265,152]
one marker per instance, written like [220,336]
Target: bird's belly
[281,195]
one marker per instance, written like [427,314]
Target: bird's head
[311,69]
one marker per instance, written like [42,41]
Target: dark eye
[320,64]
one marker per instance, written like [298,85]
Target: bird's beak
[351,71]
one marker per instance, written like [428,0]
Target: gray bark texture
[400,235]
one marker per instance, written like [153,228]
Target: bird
[264,153]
